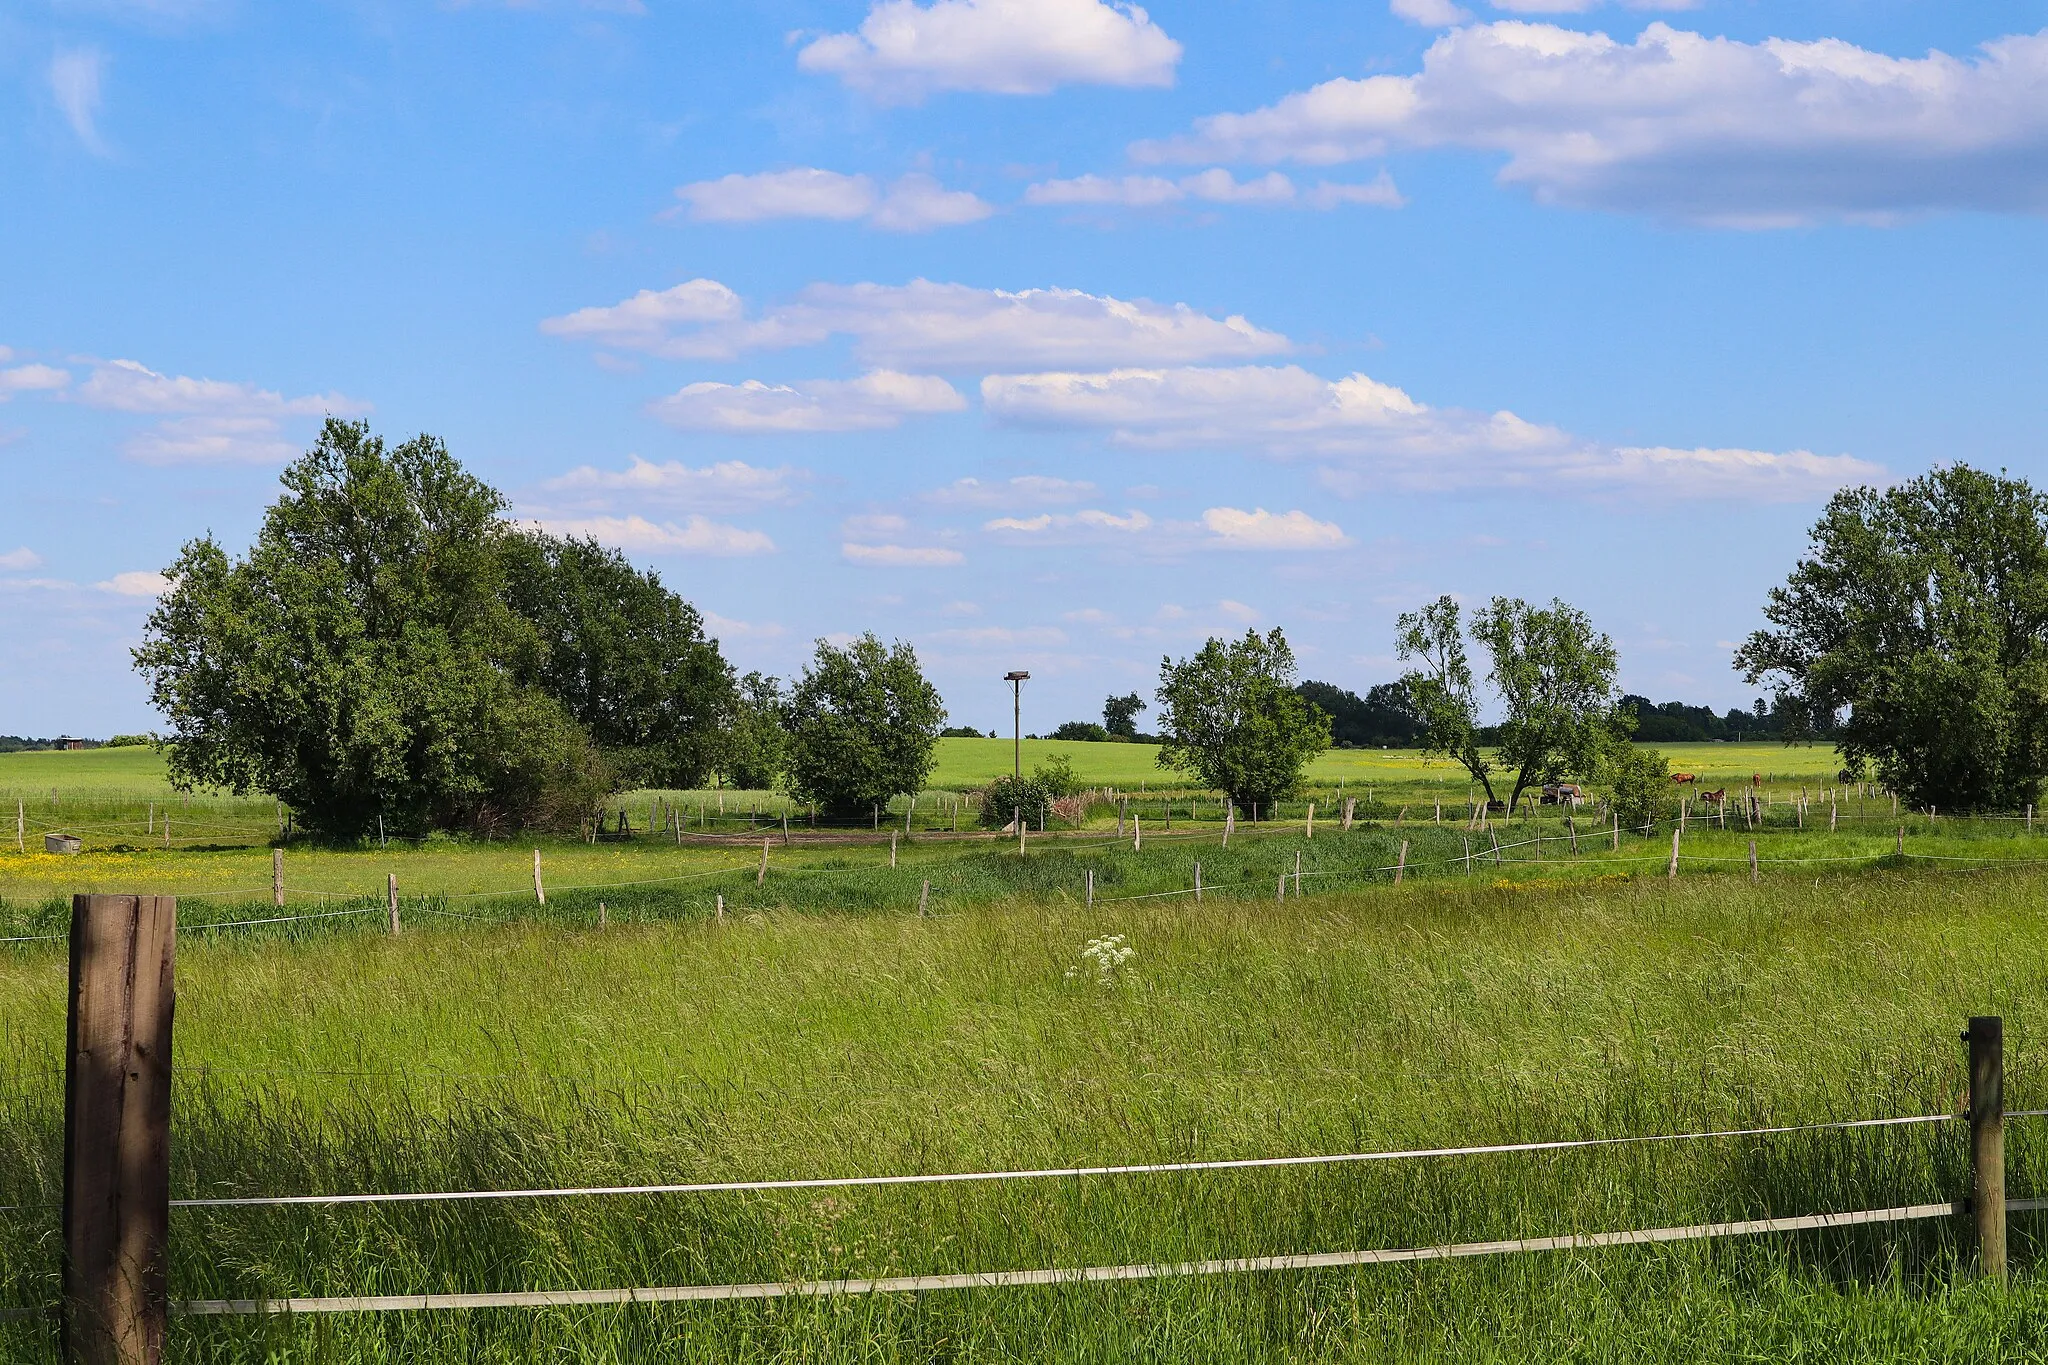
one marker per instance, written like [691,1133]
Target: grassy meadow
[822,1027]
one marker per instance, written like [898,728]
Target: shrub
[1639,785]
[1081,732]
[129,741]
[863,722]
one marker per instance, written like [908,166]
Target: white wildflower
[1107,955]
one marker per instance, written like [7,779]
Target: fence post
[1297,874]
[1401,863]
[892,850]
[1198,883]
[1571,827]
[924,898]
[1986,1038]
[1229,822]
[1309,827]
[721,907]
[1091,888]
[1673,872]
[1902,841]
[1468,853]
[391,899]
[1137,833]
[1350,803]
[1281,896]
[540,893]
[117,1119]
[762,875]
[277,877]
[1752,863]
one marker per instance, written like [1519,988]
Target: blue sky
[1052,335]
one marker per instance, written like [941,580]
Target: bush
[963,732]
[863,722]
[1049,792]
[1639,785]
[129,741]
[1081,732]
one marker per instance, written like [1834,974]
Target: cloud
[208,421]
[922,324]
[1216,186]
[722,487]
[75,84]
[1367,435]
[914,203]
[31,379]
[694,535]
[211,440]
[1259,529]
[1088,520]
[1025,490]
[905,51]
[1683,126]
[900,556]
[136,583]
[725,627]
[19,559]
[877,400]
[1429,13]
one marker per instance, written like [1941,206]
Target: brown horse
[1685,779]
[1714,798]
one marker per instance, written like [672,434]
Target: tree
[1555,677]
[756,748]
[1120,715]
[863,725]
[1080,732]
[1230,717]
[1384,716]
[361,661]
[1639,784]
[1441,691]
[628,657]
[1553,674]
[1916,629]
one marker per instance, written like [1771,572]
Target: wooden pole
[1902,841]
[1986,1039]
[1350,803]
[1571,828]
[892,849]
[277,877]
[1297,874]
[1468,853]
[1091,888]
[1309,827]
[1229,822]
[721,908]
[1281,896]
[391,899]
[1198,883]
[924,898]
[1401,863]
[1753,878]
[1617,831]
[21,824]
[762,875]
[603,919]
[540,893]
[1137,833]
[1496,844]
[117,1121]
[1673,872]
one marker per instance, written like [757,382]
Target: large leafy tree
[756,747]
[863,726]
[628,657]
[362,661]
[1552,673]
[1915,632]
[1230,717]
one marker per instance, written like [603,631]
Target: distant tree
[1081,732]
[362,660]
[863,726]
[1555,677]
[1441,691]
[1230,717]
[1639,784]
[1916,631]
[1120,715]
[130,741]
[963,732]
[756,747]
[1384,716]
[627,656]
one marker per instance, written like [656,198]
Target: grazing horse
[1714,798]
[1685,779]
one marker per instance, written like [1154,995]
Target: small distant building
[67,742]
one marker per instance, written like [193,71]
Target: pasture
[1530,979]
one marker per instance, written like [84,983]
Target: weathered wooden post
[1986,1039]
[1350,804]
[1091,888]
[117,1120]
[1673,872]
[1752,863]
[1198,883]
[892,850]
[1137,833]
[1401,863]
[1297,874]
[1229,822]
[540,893]
[761,876]
[391,899]
[1309,825]
[277,877]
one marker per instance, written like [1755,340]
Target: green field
[780,1043]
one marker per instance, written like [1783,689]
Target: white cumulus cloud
[31,379]
[877,400]
[726,486]
[1366,435]
[19,559]
[1025,490]
[1215,186]
[914,203]
[900,556]
[922,325]
[1429,13]
[1258,529]
[1090,519]
[1684,126]
[904,51]
[206,421]
[136,583]
[694,535]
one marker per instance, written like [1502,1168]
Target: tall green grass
[805,1041]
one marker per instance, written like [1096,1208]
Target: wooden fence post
[1091,888]
[1229,822]
[721,908]
[1673,872]
[1752,863]
[1350,804]
[762,875]
[540,893]
[1986,1038]
[1468,853]
[1198,883]
[924,898]
[277,877]
[1902,841]
[1309,826]
[1401,863]
[1137,833]
[1571,827]
[1297,874]
[117,1119]
[391,899]
[892,849]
